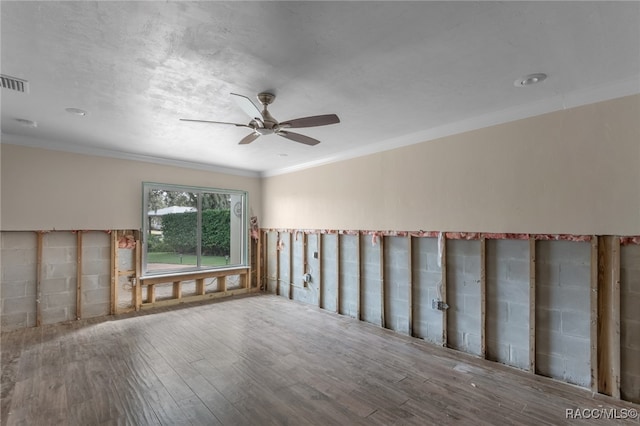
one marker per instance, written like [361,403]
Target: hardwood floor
[263,360]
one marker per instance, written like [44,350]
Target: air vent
[13,83]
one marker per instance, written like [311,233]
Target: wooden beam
[259,260]
[245,281]
[290,251]
[177,289]
[200,287]
[222,283]
[138,288]
[39,241]
[609,316]
[187,276]
[278,263]
[320,283]
[443,290]
[532,304]
[483,297]
[187,299]
[78,275]
[383,319]
[114,272]
[593,332]
[304,257]
[358,277]
[410,272]
[338,272]
[151,293]
[264,281]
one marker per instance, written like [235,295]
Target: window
[188,228]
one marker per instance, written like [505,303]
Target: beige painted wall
[44,190]
[574,171]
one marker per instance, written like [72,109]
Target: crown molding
[11,139]
[575,99]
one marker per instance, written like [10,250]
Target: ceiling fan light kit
[263,123]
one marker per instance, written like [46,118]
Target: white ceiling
[395,72]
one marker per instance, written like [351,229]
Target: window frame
[244,229]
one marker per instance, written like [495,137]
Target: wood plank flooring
[263,360]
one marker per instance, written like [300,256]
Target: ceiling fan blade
[249,138]
[298,138]
[247,106]
[215,122]
[316,120]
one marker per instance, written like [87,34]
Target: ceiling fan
[263,123]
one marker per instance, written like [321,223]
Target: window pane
[172,240]
[216,229]
[189,228]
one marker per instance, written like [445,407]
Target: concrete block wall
[371,283]
[96,274]
[284,254]
[59,277]
[630,322]
[272,242]
[427,279]
[463,296]
[313,268]
[396,282]
[300,293]
[349,275]
[329,276]
[562,298]
[507,302]
[58,285]
[563,310]
[126,262]
[18,280]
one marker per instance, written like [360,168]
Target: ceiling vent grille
[13,83]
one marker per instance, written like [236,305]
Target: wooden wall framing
[604,293]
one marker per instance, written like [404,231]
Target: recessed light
[530,79]
[26,123]
[76,111]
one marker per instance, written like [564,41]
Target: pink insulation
[375,235]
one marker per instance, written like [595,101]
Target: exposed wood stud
[39,237]
[151,293]
[222,283]
[320,283]
[259,260]
[78,275]
[532,304]
[200,287]
[594,314]
[138,288]
[177,290]
[114,272]
[290,251]
[188,299]
[338,273]
[410,273]
[264,282]
[304,255]
[278,263]
[383,319]
[483,297]
[443,290]
[358,277]
[609,316]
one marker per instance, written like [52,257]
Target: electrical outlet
[315,254]
[439,305]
